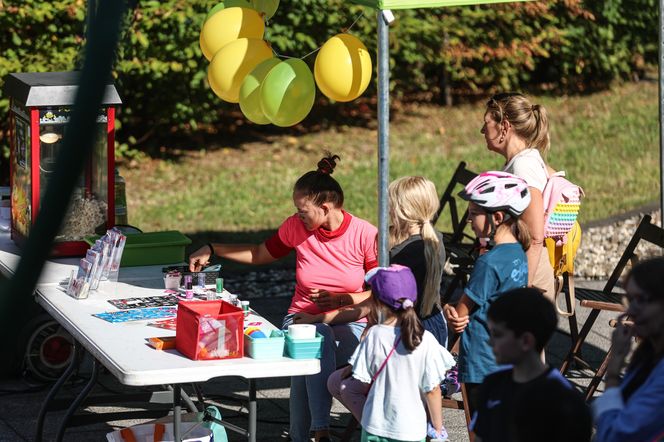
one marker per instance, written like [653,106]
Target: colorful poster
[138,314]
[21,146]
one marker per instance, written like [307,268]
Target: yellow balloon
[232,63]
[227,25]
[343,68]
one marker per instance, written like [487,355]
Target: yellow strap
[562,257]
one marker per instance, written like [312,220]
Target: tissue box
[304,348]
[209,330]
[264,348]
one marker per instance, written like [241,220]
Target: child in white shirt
[399,361]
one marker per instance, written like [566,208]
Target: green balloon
[288,92]
[250,97]
[228,4]
[268,7]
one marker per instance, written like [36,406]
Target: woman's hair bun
[327,164]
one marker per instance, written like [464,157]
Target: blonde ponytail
[414,202]
[434,271]
[540,139]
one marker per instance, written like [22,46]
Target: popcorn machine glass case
[39,115]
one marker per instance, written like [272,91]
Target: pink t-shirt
[333,261]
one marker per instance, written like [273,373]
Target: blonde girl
[414,243]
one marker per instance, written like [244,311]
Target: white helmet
[498,191]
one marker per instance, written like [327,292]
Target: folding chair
[607,299]
[460,254]
[461,176]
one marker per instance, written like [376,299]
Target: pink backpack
[562,200]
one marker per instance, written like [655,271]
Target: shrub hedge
[559,45]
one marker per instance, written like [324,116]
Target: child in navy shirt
[521,322]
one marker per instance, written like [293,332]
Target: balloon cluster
[244,70]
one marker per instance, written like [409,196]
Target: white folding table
[122,347]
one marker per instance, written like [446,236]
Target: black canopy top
[34,89]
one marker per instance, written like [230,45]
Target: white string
[344,31]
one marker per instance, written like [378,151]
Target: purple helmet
[498,191]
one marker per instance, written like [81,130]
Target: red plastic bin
[209,330]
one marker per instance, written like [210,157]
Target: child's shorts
[368,437]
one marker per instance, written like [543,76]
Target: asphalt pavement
[21,398]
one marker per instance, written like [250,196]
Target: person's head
[549,411]
[316,193]
[394,292]
[413,202]
[512,114]
[497,200]
[645,296]
[521,321]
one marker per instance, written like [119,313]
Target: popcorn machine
[40,106]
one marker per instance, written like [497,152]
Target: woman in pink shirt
[333,250]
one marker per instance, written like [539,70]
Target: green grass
[607,142]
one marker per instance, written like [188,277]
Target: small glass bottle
[245,308]
[219,286]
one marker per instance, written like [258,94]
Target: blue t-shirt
[502,268]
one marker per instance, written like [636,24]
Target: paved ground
[20,401]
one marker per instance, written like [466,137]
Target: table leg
[187,400]
[54,391]
[252,410]
[176,412]
[79,399]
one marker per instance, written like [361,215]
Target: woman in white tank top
[519,131]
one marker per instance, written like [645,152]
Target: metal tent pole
[383,136]
[661,111]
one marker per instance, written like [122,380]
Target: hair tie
[407,303]
[326,170]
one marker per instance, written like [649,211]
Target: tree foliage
[560,45]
